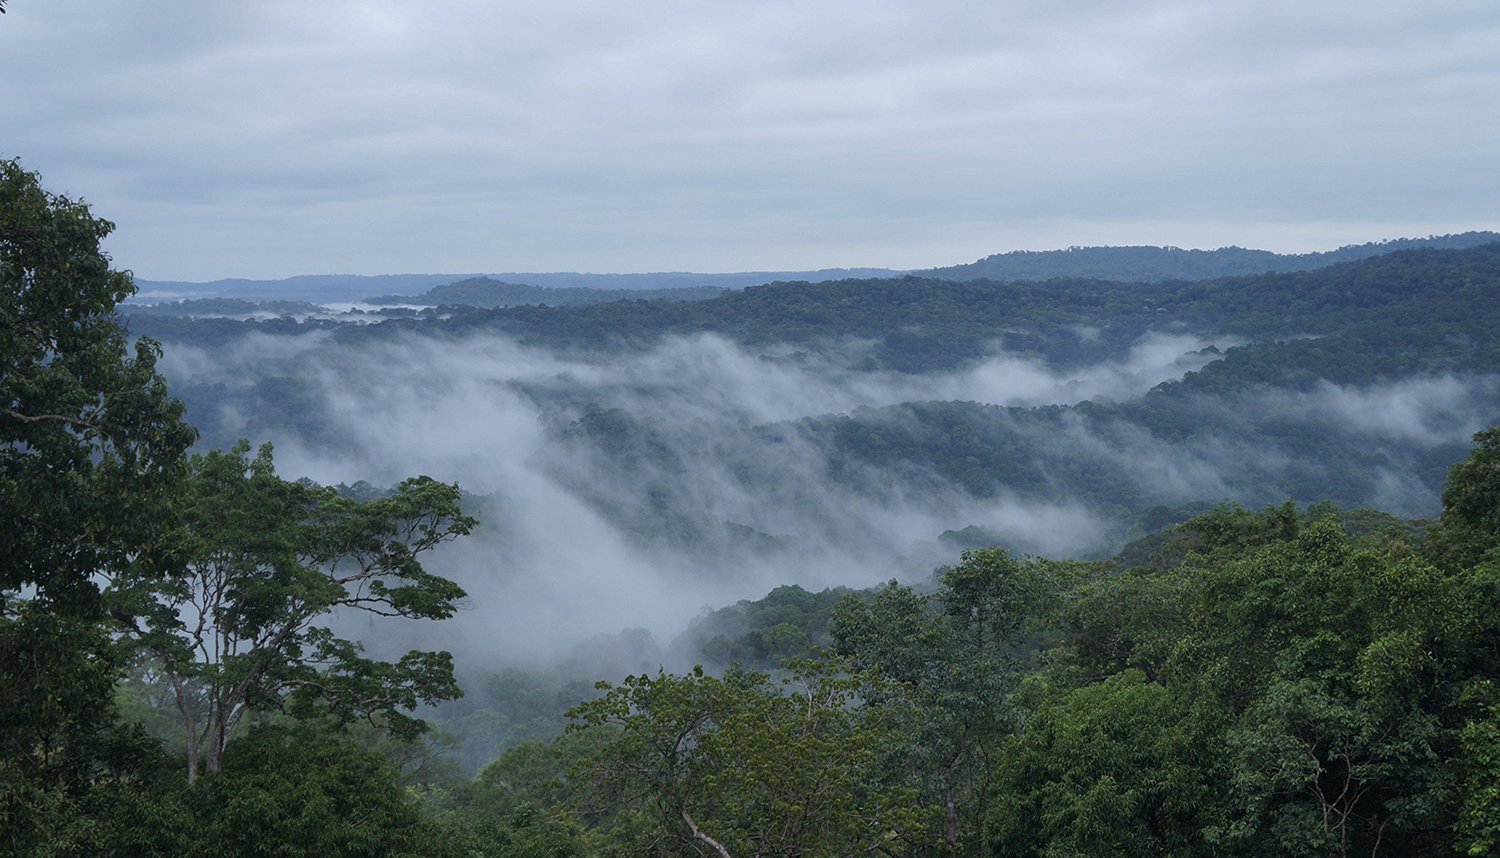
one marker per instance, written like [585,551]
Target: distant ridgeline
[1157,264]
[297,295]
[916,324]
[487,293]
[345,288]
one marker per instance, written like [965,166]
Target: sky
[269,139]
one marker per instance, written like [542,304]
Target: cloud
[271,139]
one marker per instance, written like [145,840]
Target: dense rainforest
[202,656]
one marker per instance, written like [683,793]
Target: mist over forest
[634,461]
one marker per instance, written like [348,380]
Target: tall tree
[269,561]
[91,446]
[92,456]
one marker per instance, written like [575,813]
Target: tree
[96,491]
[1466,541]
[1298,686]
[952,660]
[738,766]
[268,561]
[91,446]
[1468,531]
[517,805]
[91,464]
[1115,768]
[299,793]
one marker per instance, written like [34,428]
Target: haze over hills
[1124,264]
[777,451]
[487,292]
[357,287]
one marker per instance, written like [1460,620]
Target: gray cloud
[271,139]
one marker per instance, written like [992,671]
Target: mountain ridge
[1129,264]
[1158,263]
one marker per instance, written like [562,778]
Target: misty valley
[1108,551]
[634,461]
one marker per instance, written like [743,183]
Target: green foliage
[71,772]
[1478,825]
[293,792]
[509,708]
[1468,532]
[955,658]
[91,462]
[270,559]
[788,622]
[90,444]
[740,766]
[1119,767]
[1303,694]
[516,806]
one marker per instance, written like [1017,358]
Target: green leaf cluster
[739,765]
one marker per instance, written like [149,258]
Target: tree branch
[693,827]
[53,418]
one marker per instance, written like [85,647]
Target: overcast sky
[265,139]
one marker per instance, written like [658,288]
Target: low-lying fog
[711,510]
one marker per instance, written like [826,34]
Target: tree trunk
[191,726]
[218,737]
[950,818]
[192,756]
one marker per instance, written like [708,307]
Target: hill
[489,293]
[1145,264]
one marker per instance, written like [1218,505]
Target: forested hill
[1156,264]
[488,292]
[356,287]
[919,324]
